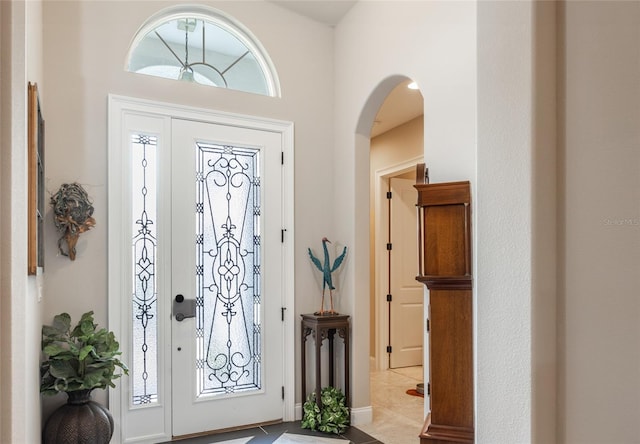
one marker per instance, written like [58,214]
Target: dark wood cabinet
[444,234]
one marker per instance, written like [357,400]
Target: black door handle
[183,308]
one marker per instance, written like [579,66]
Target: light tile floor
[397,417]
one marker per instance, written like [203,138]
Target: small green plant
[81,358]
[334,416]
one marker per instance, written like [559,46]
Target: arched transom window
[200,44]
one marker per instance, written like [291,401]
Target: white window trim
[119,288]
[222,20]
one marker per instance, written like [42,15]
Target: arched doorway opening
[396,147]
[391,134]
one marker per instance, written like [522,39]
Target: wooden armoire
[444,234]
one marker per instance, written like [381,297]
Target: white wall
[516,220]
[377,45]
[544,225]
[21,319]
[85,48]
[396,146]
[5,332]
[5,307]
[599,314]
[490,142]
[503,215]
[484,121]
[33,306]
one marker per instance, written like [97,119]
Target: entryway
[227,263]
[284,433]
[406,306]
[397,299]
[199,206]
[399,416]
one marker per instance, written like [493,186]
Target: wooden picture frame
[35,186]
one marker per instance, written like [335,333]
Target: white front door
[406,307]
[227,268]
[201,206]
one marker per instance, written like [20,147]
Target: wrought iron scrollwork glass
[228,259]
[144,368]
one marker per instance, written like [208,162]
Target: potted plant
[78,360]
[333,417]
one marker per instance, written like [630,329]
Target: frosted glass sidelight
[144,366]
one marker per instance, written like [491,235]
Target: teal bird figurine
[326,270]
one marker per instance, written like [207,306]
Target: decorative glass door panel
[227,265]
[228,290]
[144,365]
[199,272]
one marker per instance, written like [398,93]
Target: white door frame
[382,279]
[119,108]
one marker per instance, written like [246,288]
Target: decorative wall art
[72,211]
[35,187]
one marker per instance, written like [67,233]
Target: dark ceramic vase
[79,421]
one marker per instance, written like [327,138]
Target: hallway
[397,417]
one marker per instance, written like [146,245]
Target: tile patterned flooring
[397,417]
[270,434]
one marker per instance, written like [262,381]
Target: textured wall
[599,320]
[432,43]
[503,229]
[85,48]
[20,307]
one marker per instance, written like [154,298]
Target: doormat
[288,438]
[414,392]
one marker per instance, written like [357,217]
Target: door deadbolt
[183,308]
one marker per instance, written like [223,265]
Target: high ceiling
[327,12]
[401,105]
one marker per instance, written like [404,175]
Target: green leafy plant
[82,358]
[334,415]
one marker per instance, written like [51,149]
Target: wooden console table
[324,327]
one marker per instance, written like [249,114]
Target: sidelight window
[144,368]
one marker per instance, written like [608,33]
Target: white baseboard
[297,411]
[361,415]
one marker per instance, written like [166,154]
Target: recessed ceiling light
[412,85]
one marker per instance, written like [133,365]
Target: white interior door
[227,265]
[406,319]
